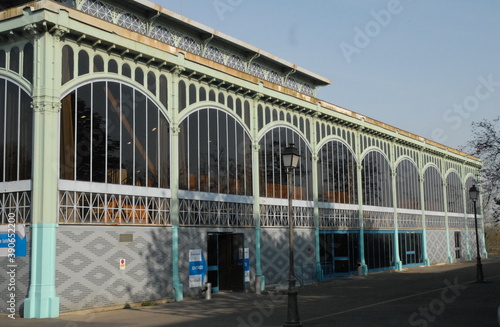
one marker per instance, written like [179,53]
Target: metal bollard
[258,285]
[208,293]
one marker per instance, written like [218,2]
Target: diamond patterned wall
[22,277]
[275,257]
[436,246]
[88,273]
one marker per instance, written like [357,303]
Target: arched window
[272,175]
[68,63]
[14,59]
[98,64]
[433,190]
[192,93]
[182,95]
[83,63]
[16,124]
[337,174]
[28,58]
[113,66]
[152,82]
[408,185]
[2,59]
[126,71]
[139,76]
[215,154]
[376,180]
[163,90]
[454,193]
[112,133]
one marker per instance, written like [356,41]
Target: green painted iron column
[260,282]
[42,301]
[425,258]
[445,200]
[174,185]
[359,176]
[315,160]
[397,259]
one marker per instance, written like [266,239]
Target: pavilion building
[137,145]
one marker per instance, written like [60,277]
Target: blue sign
[197,268]
[12,241]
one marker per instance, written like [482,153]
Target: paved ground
[442,295]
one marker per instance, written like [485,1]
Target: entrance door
[341,254]
[225,268]
[338,253]
[410,248]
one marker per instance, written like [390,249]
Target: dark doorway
[338,253]
[225,267]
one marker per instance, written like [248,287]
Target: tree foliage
[486,145]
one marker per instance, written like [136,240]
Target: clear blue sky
[425,66]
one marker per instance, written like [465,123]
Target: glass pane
[83,147]
[11,132]
[68,63]
[203,143]
[222,152]
[182,95]
[140,139]
[14,59]
[25,137]
[127,134]
[114,169]
[153,130]
[83,63]
[126,71]
[213,144]
[234,181]
[98,64]
[194,170]
[139,76]
[2,58]
[152,83]
[28,62]
[99,132]
[113,66]
[163,91]
[67,152]
[164,153]
[192,94]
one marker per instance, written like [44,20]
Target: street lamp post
[474,195]
[291,157]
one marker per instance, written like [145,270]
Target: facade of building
[137,145]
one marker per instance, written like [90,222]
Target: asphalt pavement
[438,295]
